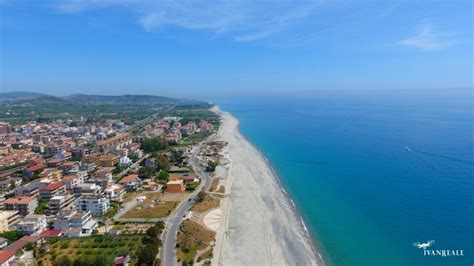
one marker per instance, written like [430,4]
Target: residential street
[168,251]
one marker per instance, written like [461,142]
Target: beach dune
[259,224]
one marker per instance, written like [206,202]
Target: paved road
[168,251]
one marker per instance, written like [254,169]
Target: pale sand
[259,224]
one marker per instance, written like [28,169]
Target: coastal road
[168,251]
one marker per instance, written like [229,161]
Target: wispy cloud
[428,38]
[242,20]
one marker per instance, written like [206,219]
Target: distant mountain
[35,99]
[19,95]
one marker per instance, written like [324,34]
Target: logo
[437,252]
[424,245]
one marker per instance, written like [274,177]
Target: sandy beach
[259,225]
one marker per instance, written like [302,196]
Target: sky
[229,47]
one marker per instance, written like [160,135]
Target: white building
[73,219]
[116,192]
[96,205]
[124,160]
[32,224]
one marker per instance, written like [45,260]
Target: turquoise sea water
[366,199]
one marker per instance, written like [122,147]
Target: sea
[372,172]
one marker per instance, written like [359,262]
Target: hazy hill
[36,99]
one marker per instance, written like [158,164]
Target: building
[74,219]
[114,142]
[24,205]
[109,160]
[115,192]
[72,181]
[34,169]
[104,176]
[51,173]
[5,184]
[8,219]
[59,202]
[96,205]
[130,182]
[87,189]
[5,128]
[175,186]
[51,190]
[32,224]
[3,243]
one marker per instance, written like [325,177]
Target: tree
[163,175]
[147,255]
[154,145]
[62,261]
[200,196]
[211,166]
[162,163]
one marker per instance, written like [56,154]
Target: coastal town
[76,191]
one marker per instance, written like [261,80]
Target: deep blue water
[365,199]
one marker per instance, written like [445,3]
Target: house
[122,260]
[24,205]
[70,166]
[124,160]
[3,243]
[87,189]
[149,185]
[34,169]
[190,179]
[51,173]
[8,219]
[96,205]
[104,176]
[72,181]
[51,190]
[115,192]
[68,219]
[175,186]
[59,202]
[32,224]
[109,160]
[5,184]
[130,182]
[7,256]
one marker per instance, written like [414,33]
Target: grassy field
[152,211]
[107,247]
[191,238]
[208,203]
[214,184]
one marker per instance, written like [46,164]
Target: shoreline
[260,222]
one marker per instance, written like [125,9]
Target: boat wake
[440,156]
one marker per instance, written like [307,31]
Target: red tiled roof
[54,186]
[36,167]
[20,200]
[129,178]
[19,244]
[50,233]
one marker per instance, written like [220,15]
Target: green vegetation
[154,145]
[191,238]
[191,186]
[152,243]
[205,203]
[94,250]
[42,206]
[11,236]
[189,114]
[94,108]
[164,176]
[211,166]
[5,168]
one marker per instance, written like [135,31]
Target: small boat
[407,148]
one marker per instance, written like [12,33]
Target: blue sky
[233,47]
